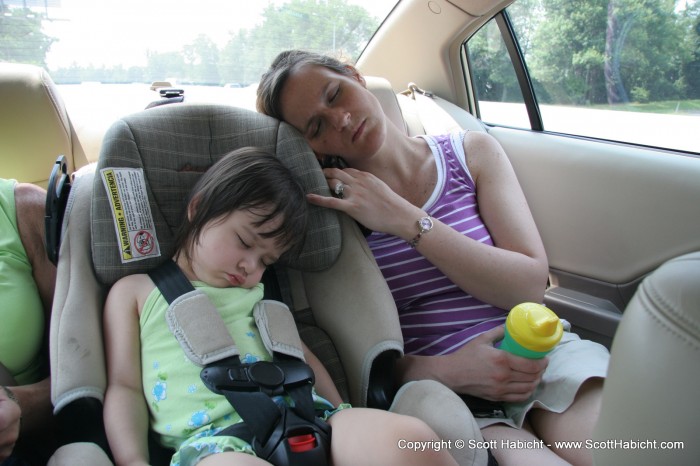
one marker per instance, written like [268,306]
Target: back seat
[421,112]
[34,126]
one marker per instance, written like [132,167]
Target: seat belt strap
[202,333]
[170,280]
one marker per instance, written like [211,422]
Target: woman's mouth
[358,132]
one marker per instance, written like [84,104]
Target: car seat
[345,311]
[650,394]
[417,111]
[34,125]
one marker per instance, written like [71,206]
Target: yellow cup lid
[534,326]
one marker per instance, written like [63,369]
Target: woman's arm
[513,272]
[478,369]
[125,410]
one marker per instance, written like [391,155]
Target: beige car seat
[649,402]
[417,111]
[346,312]
[34,125]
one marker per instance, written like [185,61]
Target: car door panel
[608,214]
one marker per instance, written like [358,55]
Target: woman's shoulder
[482,152]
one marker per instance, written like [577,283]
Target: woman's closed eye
[318,124]
[334,95]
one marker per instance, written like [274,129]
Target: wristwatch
[425,224]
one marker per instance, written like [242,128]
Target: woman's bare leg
[574,425]
[512,446]
[374,437]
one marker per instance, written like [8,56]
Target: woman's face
[336,113]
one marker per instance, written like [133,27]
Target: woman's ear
[356,75]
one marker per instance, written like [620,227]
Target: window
[620,70]
[104,55]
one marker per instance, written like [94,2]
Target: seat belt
[280,434]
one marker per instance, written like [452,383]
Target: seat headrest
[384,92]
[34,124]
[174,144]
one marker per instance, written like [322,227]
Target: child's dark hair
[247,179]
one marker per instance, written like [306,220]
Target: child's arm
[125,410]
[324,383]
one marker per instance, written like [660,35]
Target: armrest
[76,351]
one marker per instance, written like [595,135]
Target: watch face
[425,224]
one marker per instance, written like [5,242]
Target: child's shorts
[198,447]
[571,363]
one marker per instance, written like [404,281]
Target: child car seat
[335,284]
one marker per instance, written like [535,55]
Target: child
[243,214]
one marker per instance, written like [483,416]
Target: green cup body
[513,347]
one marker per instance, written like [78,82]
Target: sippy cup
[532,330]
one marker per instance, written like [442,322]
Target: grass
[681,107]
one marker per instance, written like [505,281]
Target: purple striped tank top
[436,316]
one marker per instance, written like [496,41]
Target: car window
[104,55]
[620,70]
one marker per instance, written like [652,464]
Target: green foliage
[336,28]
[21,39]
[596,52]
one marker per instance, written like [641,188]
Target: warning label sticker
[133,221]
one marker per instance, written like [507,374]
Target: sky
[106,32]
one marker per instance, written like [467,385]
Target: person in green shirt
[27,280]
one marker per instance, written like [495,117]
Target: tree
[609,51]
[339,29]
[21,38]
[691,69]
[202,59]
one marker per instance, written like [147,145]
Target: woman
[455,262]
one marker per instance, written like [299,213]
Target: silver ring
[339,188]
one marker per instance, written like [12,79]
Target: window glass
[496,87]
[623,70]
[104,54]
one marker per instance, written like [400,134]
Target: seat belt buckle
[302,443]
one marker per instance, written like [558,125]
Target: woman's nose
[339,119]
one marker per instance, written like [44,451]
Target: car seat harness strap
[283,435]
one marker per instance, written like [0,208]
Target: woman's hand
[370,201]
[479,369]
[10,414]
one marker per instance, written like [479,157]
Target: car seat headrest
[174,145]
[34,124]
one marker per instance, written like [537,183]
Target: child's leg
[575,424]
[374,437]
[231,458]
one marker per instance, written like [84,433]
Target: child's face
[231,251]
